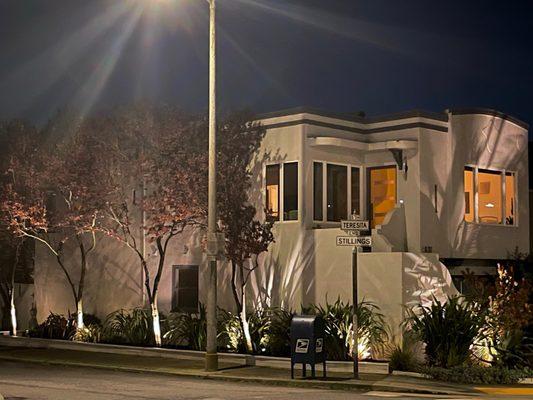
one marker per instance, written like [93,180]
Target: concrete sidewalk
[237,372]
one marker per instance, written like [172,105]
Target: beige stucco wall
[492,143]
[303,265]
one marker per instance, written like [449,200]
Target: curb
[308,383]
[381,368]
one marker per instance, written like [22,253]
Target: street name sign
[350,225]
[354,240]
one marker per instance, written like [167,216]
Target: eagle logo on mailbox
[302,345]
[319,345]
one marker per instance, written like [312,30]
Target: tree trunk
[240,299]
[155,321]
[13,312]
[79,313]
[245,325]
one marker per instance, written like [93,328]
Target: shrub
[187,329]
[133,327]
[269,329]
[233,337]
[448,330]
[277,339]
[475,374]
[402,359]
[89,334]
[502,340]
[338,319]
[56,326]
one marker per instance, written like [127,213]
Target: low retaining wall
[243,359]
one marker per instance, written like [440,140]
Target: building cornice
[490,112]
[388,128]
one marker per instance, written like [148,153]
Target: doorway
[381,193]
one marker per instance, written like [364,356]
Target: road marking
[398,395]
[513,391]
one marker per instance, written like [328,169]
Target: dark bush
[187,329]
[448,330]
[56,326]
[133,327]
[338,319]
[475,374]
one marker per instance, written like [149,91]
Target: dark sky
[340,55]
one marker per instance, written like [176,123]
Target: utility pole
[211,356]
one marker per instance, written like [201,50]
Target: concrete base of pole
[211,362]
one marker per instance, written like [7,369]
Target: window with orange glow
[272,191]
[382,193]
[489,185]
[469,194]
[510,199]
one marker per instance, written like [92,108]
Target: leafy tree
[246,236]
[17,141]
[56,193]
[158,148]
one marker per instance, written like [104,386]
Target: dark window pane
[290,191]
[510,199]
[318,190]
[337,177]
[272,191]
[185,293]
[469,194]
[356,190]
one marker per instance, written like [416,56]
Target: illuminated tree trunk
[79,314]
[156,322]
[13,313]
[240,301]
[12,308]
[246,325]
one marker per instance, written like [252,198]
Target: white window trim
[325,192]
[281,205]
[503,172]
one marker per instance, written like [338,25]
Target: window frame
[349,167]
[281,193]
[175,280]
[503,173]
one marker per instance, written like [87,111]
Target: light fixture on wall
[401,161]
[490,205]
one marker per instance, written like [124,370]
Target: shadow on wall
[490,146]
[425,278]
[113,279]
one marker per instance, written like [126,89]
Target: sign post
[353,228]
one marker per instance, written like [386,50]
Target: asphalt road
[20,381]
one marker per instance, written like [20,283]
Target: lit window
[510,199]
[337,192]
[489,197]
[469,194]
[272,191]
[185,292]
[382,193]
[318,191]
[290,191]
[356,192]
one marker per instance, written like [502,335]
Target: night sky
[339,55]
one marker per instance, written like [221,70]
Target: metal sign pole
[354,322]
[353,228]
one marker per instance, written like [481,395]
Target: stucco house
[442,191]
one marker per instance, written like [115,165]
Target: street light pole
[211,357]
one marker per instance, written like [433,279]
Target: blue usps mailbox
[307,343]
